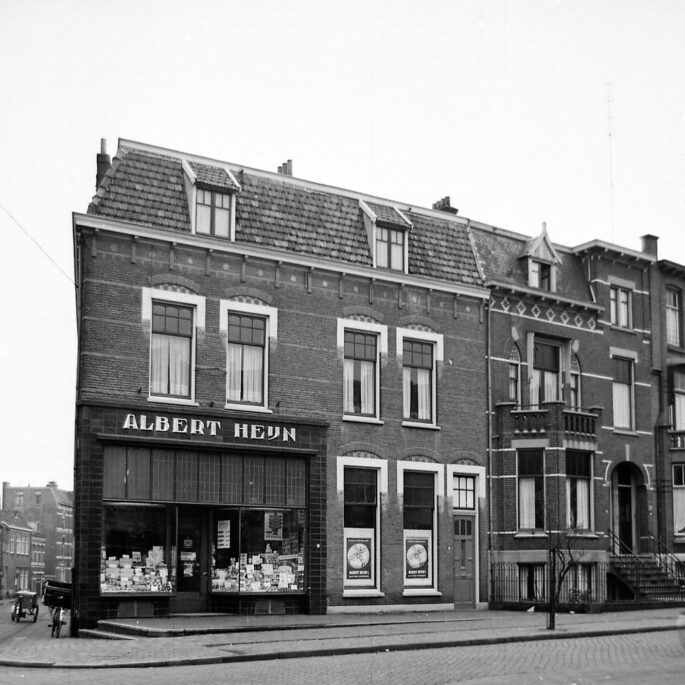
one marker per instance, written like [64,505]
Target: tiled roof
[146,189]
[282,213]
[500,257]
[388,215]
[214,176]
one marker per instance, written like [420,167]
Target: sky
[568,112]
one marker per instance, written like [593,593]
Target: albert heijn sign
[226,429]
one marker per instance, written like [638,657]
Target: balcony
[548,418]
[676,440]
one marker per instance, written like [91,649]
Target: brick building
[50,513]
[281,397]
[15,553]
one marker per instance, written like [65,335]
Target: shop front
[229,519]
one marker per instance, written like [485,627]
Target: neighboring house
[281,400]
[50,511]
[15,553]
[37,560]
[669,282]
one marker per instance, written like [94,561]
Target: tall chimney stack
[102,162]
[649,244]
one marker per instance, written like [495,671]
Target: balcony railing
[677,439]
[550,416]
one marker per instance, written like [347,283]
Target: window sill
[589,535]
[417,424]
[622,329]
[255,409]
[362,593]
[530,534]
[362,419]
[624,431]
[173,400]
[421,592]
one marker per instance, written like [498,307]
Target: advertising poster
[358,554]
[223,534]
[273,525]
[417,556]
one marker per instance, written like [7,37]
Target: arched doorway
[628,507]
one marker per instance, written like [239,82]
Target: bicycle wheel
[35,614]
[14,612]
[57,625]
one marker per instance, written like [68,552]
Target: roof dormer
[541,261]
[212,192]
[387,229]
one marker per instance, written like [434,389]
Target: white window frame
[629,356]
[535,266]
[591,495]
[372,587]
[414,587]
[674,316]
[270,314]
[381,333]
[528,529]
[197,302]
[617,315]
[678,500]
[401,231]
[437,341]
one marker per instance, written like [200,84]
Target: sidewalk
[206,639]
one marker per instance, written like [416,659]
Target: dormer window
[542,261]
[387,228]
[540,275]
[213,213]
[390,249]
[212,192]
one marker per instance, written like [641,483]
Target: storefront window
[258,550]
[136,553]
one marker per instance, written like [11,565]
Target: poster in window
[358,556]
[416,554]
[223,534]
[273,525]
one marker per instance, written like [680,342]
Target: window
[578,490]
[620,306]
[174,318]
[623,393]
[579,582]
[170,359]
[678,406]
[673,317]
[418,484]
[514,385]
[360,496]
[540,275]
[574,384]
[531,489]
[679,499]
[248,327]
[245,358]
[360,373]
[464,492]
[545,382]
[361,344]
[390,249]
[531,582]
[39,498]
[213,213]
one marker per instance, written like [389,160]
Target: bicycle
[57,598]
[57,613]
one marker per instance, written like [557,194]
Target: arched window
[514,384]
[574,388]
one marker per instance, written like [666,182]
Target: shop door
[464,587]
[191,568]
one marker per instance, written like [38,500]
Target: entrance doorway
[464,562]
[191,564]
[627,494]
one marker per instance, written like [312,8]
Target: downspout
[488,381]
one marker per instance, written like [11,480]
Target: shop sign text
[209,427]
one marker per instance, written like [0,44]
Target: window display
[136,555]
[258,551]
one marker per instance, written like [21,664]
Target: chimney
[286,169]
[649,244]
[444,205]
[103,163]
